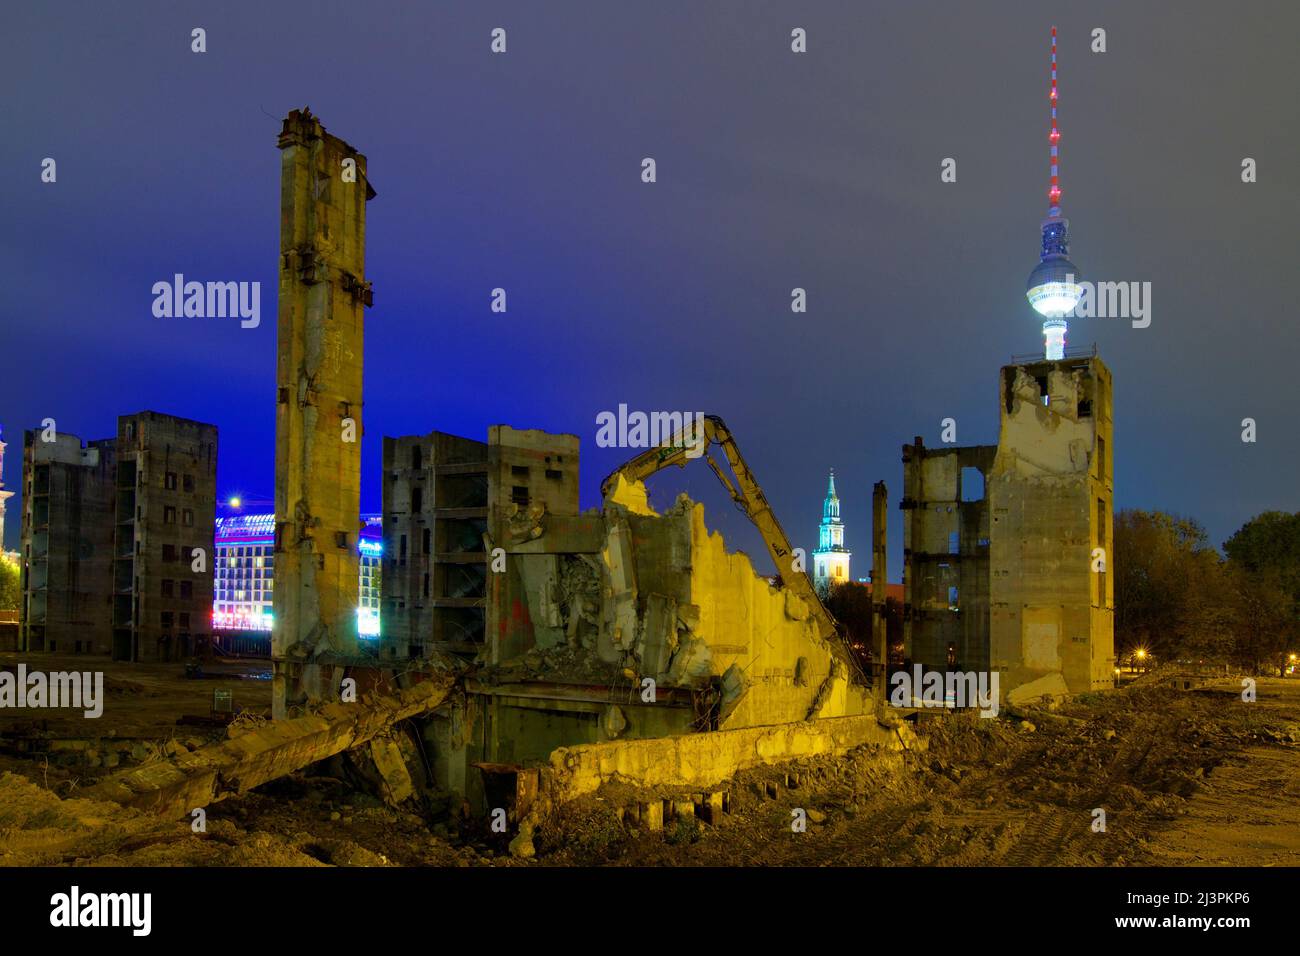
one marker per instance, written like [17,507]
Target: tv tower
[1053,288]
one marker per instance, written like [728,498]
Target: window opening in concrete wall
[972,484]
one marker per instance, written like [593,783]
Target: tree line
[1178,598]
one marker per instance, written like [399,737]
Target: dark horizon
[775,171]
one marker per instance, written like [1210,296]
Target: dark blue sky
[775,170]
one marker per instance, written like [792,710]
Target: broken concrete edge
[700,761]
[177,786]
[630,497]
[1050,686]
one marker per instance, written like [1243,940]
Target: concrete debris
[388,760]
[1050,686]
[615,722]
[174,787]
[734,687]
[652,815]
[521,847]
[713,808]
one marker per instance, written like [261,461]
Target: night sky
[775,170]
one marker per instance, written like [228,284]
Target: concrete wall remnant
[1015,579]
[434,586]
[704,760]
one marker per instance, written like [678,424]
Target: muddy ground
[1184,777]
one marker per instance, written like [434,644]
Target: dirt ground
[141,698]
[1184,777]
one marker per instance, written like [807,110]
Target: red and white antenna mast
[1054,137]
[1053,288]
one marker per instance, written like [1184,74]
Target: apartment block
[166,490]
[441,494]
[435,505]
[67,543]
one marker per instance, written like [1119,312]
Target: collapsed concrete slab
[1051,686]
[176,786]
[705,760]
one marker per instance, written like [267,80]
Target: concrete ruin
[1005,547]
[67,544]
[441,493]
[570,628]
[323,293]
[580,628]
[617,624]
[109,536]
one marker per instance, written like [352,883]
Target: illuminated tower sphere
[831,559]
[1053,288]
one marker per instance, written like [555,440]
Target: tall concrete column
[879,588]
[323,293]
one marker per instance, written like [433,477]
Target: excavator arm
[744,490]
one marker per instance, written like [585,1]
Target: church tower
[831,559]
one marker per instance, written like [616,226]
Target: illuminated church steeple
[831,559]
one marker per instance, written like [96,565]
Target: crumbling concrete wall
[946,555]
[633,595]
[766,633]
[622,624]
[435,499]
[531,475]
[1050,496]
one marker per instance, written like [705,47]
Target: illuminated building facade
[244,574]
